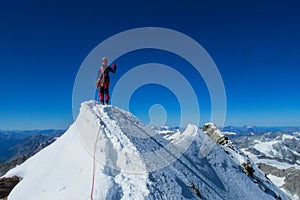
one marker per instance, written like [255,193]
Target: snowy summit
[109,154]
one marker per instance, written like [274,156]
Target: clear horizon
[255,46]
[226,125]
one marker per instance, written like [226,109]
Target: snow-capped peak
[109,154]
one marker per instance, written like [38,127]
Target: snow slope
[130,161]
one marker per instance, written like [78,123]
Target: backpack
[100,82]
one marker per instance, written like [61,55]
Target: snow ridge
[133,162]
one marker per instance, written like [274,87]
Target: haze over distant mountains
[276,150]
[17,146]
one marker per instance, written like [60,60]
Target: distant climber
[103,80]
[195,188]
[248,169]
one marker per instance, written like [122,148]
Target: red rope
[94,163]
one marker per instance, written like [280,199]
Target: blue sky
[255,45]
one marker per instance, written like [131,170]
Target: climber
[195,188]
[103,80]
[248,169]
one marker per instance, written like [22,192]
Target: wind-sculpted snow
[133,161]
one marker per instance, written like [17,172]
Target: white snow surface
[279,181]
[286,136]
[266,147]
[229,133]
[64,169]
[274,163]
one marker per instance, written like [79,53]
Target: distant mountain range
[110,154]
[275,150]
[248,130]
[17,146]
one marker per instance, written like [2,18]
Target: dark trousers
[104,92]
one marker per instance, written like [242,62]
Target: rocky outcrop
[285,149]
[292,177]
[4,167]
[15,149]
[213,132]
[7,184]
